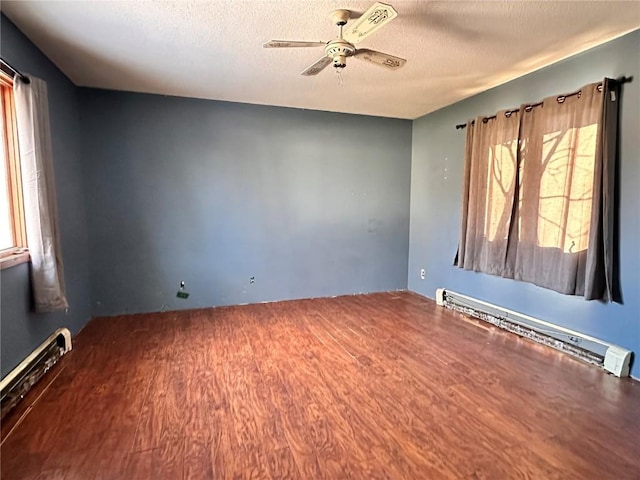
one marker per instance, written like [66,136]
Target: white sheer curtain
[41,215]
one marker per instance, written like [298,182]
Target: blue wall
[436,181]
[309,203]
[20,330]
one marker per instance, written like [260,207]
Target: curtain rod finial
[624,79]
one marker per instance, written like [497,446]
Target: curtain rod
[561,98]
[13,71]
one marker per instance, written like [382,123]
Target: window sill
[14,257]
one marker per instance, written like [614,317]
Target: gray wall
[436,182]
[309,203]
[20,330]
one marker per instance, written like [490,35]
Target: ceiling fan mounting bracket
[340,17]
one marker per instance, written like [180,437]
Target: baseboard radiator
[20,380]
[612,358]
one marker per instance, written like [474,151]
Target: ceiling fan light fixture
[339,61]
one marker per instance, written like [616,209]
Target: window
[539,193]
[566,188]
[12,229]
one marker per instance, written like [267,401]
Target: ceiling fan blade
[317,67]
[379,58]
[372,20]
[291,44]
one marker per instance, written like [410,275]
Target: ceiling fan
[338,49]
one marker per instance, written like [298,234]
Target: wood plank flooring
[371,386]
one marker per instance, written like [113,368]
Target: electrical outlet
[252,280]
[181,293]
[422,273]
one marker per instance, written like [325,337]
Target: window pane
[500,183]
[6,226]
[566,189]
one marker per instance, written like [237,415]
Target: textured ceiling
[213,49]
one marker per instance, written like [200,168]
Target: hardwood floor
[372,386]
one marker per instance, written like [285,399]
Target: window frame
[18,253]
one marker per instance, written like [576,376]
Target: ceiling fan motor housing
[339,50]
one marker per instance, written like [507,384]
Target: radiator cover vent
[612,358]
[20,380]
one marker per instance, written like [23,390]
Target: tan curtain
[489,190]
[600,269]
[556,209]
